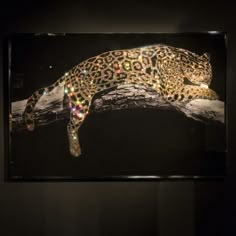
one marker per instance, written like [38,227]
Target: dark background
[119,143]
[140,208]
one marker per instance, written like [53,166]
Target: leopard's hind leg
[77,117]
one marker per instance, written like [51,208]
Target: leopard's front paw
[212,95]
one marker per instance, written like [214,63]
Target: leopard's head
[199,71]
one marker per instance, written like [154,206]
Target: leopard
[177,74]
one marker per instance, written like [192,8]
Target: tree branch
[52,107]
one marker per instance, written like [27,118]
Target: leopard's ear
[206,57]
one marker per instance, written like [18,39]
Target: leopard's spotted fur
[177,74]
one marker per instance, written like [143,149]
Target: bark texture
[52,106]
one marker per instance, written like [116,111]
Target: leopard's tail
[28,114]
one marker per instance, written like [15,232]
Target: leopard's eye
[200,67]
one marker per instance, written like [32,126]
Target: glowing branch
[52,106]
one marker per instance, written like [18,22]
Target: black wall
[121,208]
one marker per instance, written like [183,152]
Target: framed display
[115,106]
